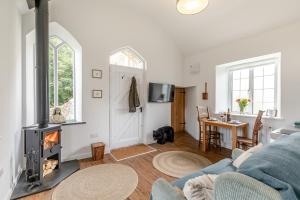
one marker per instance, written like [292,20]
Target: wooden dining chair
[246,142]
[202,114]
[214,137]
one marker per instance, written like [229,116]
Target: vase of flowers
[243,103]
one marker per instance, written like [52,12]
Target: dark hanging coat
[134,100]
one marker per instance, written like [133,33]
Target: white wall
[10,88]
[285,39]
[102,27]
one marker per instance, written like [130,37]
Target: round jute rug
[105,182]
[179,163]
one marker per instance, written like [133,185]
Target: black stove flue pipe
[42,60]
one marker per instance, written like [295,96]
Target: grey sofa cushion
[236,186]
[277,165]
[222,166]
[217,168]
[163,190]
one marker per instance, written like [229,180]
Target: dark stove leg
[31,186]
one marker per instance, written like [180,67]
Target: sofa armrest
[236,153]
[236,186]
[163,190]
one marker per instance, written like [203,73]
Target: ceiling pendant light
[190,7]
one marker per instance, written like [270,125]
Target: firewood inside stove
[49,166]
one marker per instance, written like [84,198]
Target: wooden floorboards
[143,165]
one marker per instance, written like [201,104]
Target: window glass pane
[245,73]
[235,95]
[258,82]
[236,74]
[235,107]
[119,59]
[258,96]
[65,80]
[244,94]
[257,106]
[128,58]
[248,109]
[244,84]
[268,81]
[258,71]
[236,85]
[268,106]
[51,78]
[55,41]
[269,95]
[269,70]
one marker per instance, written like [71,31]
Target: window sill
[254,116]
[67,123]
[73,122]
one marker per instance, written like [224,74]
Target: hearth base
[50,181]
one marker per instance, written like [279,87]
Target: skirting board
[77,157]
[82,155]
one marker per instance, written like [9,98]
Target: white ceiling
[221,22]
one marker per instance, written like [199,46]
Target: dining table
[233,126]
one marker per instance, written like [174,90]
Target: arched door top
[128,57]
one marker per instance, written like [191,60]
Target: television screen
[161,93]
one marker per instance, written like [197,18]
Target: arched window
[61,77]
[65,74]
[127,57]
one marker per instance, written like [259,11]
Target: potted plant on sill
[243,103]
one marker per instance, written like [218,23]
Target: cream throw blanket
[200,188]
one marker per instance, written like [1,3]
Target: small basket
[98,151]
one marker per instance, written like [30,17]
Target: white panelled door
[125,127]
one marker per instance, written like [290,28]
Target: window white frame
[55,68]
[224,73]
[134,52]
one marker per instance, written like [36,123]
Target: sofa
[260,177]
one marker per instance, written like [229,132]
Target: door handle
[141,109]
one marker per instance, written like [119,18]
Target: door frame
[172,108]
[142,101]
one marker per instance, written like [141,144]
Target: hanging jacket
[134,100]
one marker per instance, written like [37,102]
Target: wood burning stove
[42,145]
[44,169]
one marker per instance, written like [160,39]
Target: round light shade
[190,7]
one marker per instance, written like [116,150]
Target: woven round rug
[105,182]
[179,163]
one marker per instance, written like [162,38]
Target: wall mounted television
[161,93]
